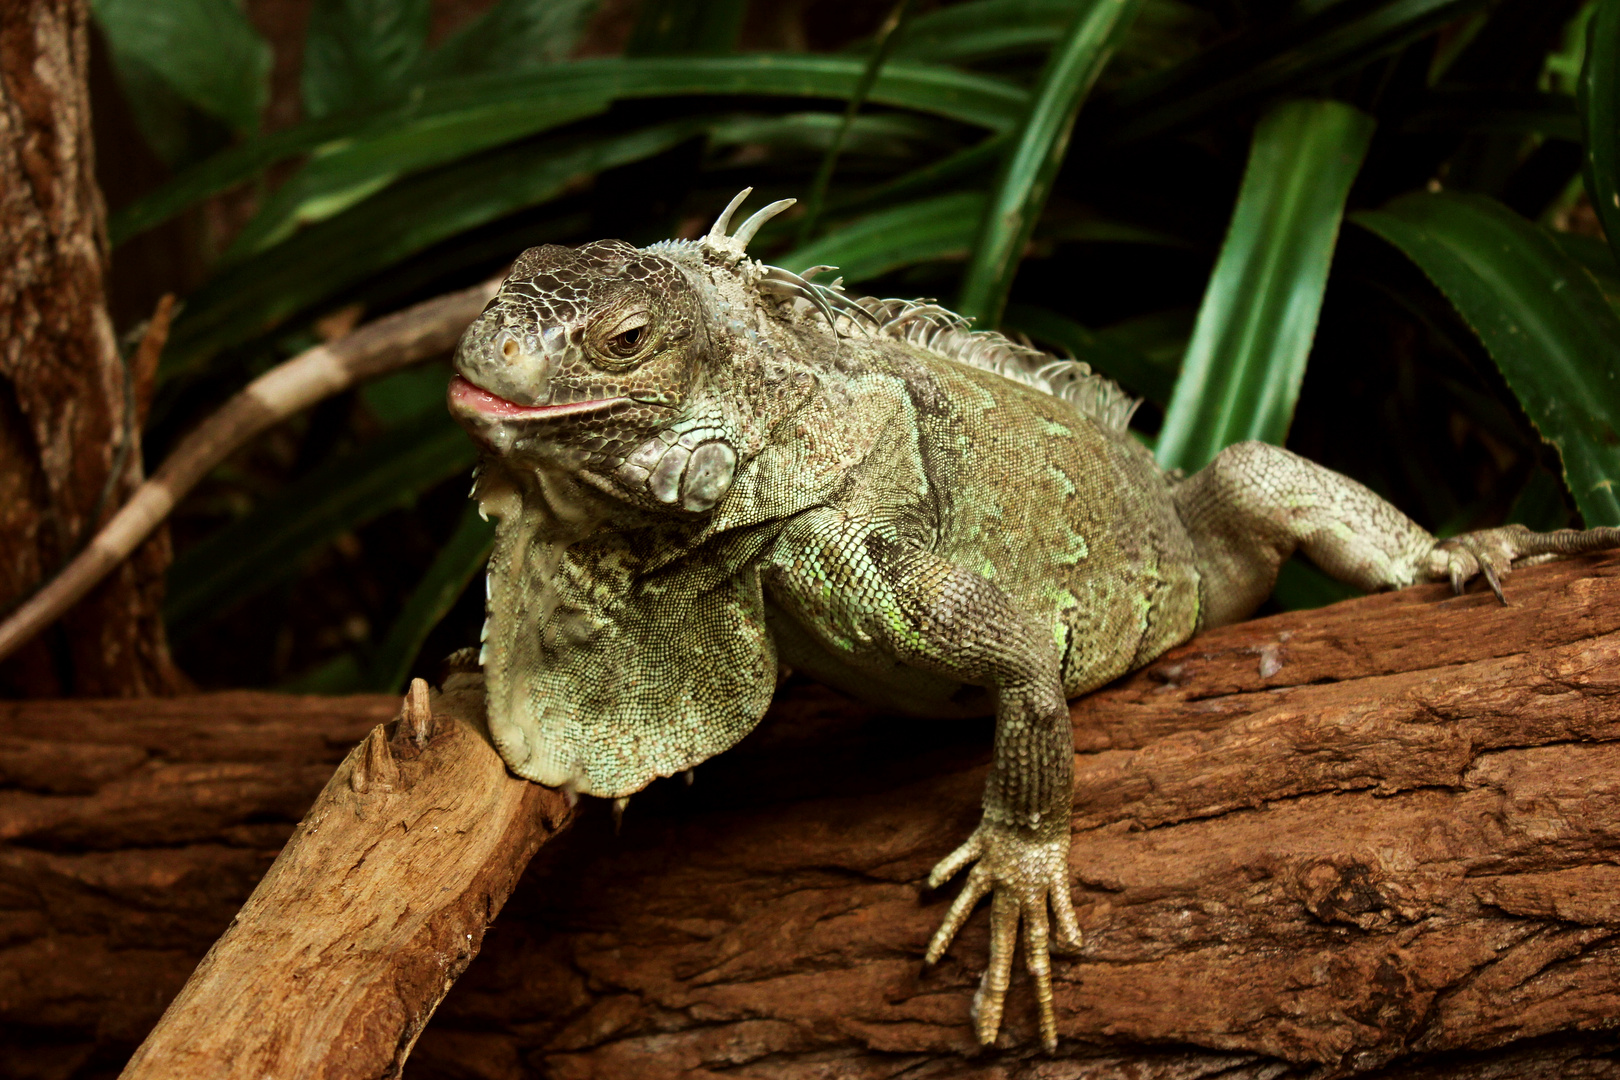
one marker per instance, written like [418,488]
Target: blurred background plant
[1369,229]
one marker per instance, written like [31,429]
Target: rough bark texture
[1376,839]
[370,913]
[130,834]
[63,402]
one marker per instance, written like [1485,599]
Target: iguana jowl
[704,467]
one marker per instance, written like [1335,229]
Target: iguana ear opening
[602,682]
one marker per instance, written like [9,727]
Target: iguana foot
[1025,869]
[1493,552]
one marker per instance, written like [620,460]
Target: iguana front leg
[1255,505]
[877,600]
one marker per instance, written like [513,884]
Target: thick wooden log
[1376,838]
[130,833]
[370,913]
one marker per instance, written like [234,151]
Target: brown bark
[130,834]
[1376,839]
[63,409]
[370,913]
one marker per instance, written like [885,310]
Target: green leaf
[271,544]
[922,231]
[1301,586]
[1032,162]
[177,131]
[258,294]
[359,51]
[332,182]
[1600,117]
[525,34]
[1512,111]
[407,394]
[889,34]
[206,50]
[942,175]
[1134,370]
[1244,365]
[896,135]
[1306,47]
[986,28]
[450,119]
[453,569]
[339,675]
[1161,336]
[686,27]
[1539,314]
[1593,255]
[221,172]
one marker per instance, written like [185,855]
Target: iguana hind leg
[878,600]
[1256,504]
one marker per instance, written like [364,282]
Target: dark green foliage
[1130,181]
[360,51]
[1600,116]
[1543,318]
[1241,375]
[184,63]
[1030,163]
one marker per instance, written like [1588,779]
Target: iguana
[705,468]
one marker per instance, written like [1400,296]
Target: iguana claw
[1492,552]
[1026,870]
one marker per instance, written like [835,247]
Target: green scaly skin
[697,479]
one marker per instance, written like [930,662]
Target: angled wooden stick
[373,909]
[393,341]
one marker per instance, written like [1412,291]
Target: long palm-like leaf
[1542,317]
[1244,366]
[256,295]
[271,544]
[1305,47]
[921,231]
[1600,117]
[457,563]
[1032,161]
[442,121]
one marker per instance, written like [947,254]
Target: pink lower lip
[466,395]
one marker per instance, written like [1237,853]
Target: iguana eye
[623,341]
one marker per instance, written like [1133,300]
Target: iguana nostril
[509,348]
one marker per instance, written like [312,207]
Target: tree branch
[372,910]
[391,342]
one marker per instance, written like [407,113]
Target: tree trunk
[66,409]
[1374,839]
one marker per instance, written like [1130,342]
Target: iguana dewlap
[704,467]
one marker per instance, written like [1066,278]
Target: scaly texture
[705,467]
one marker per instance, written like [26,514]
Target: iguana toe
[1025,871]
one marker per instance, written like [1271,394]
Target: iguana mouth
[469,397]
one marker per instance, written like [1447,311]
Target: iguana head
[629,368]
[583,360]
